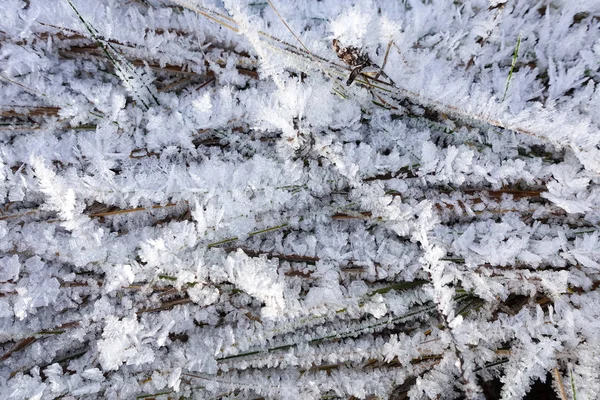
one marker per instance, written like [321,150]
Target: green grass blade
[512,67]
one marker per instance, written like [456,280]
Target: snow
[196,204]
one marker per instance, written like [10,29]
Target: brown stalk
[99,214]
[29,111]
[559,383]
[20,345]
[24,343]
[166,305]
[95,51]
[282,257]
[127,211]
[18,215]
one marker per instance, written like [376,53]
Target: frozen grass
[196,205]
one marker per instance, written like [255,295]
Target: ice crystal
[196,204]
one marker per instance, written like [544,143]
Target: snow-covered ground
[195,203]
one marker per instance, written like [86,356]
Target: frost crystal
[299,200]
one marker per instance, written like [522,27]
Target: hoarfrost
[196,202]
